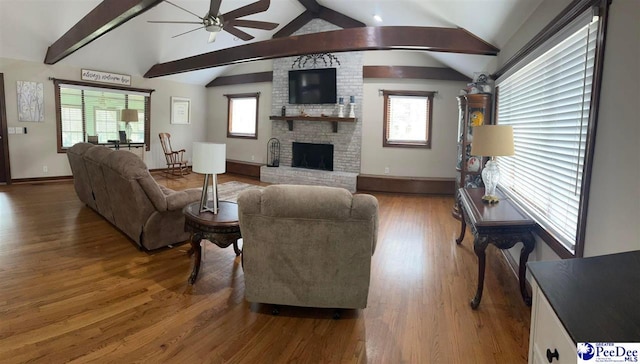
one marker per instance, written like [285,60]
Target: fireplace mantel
[332,119]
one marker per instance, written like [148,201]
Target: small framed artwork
[180,110]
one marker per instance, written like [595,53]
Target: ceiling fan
[213,22]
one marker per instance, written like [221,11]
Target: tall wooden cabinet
[473,110]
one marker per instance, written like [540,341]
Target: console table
[502,224]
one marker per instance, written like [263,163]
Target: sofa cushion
[81,180]
[306,202]
[93,159]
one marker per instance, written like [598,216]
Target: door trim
[3,126]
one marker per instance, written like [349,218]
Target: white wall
[248,150]
[440,160]
[30,152]
[613,220]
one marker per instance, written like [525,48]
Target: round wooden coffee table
[222,229]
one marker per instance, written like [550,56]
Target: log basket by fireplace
[273,153]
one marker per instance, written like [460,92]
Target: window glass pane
[243,115]
[71,125]
[407,118]
[100,109]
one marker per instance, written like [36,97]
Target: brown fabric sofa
[118,185]
[307,245]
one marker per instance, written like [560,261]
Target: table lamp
[209,159]
[129,116]
[492,141]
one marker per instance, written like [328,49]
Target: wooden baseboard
[249,169]
[41,179]
[418,185]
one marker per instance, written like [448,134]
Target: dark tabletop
[597,299]
[227,214]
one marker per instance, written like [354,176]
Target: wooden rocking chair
[176,164]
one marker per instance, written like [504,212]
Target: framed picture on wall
[180,110]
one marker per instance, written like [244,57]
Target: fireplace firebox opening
[312,156]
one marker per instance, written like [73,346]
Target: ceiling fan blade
[238,33]
[257,7]
[253,24]
[173,22]
[181,8]
[214,7]
[192,30]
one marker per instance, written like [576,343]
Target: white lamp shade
[129,115]
[492,140]
[209,158]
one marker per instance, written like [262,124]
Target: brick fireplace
[346,142]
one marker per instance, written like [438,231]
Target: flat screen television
[313,86]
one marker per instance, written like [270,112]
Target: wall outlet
[45,169]
[253,158]
[20,130]
[11,130]
[386,170]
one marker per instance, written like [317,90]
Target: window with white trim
[548,101]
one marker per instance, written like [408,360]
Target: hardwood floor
[75,289]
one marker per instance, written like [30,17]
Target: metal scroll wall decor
[327,59]
[273,153]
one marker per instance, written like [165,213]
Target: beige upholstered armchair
[176,163]
[307,245]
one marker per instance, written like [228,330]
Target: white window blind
[547,101]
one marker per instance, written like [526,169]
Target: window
[407,119]
[242,119]
[87,109]
[550,102]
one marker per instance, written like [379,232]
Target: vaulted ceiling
[29,28]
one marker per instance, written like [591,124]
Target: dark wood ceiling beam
[314,11]
[108,15]
[434,39]
[339,19]
[295,24]
[413,72]
[242,79]
[311,5]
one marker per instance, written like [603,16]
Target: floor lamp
[492,141]
[129,116]
[209,159]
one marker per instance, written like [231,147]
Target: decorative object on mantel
[129,116]
[209,159]
[341,107]
[352,107]
[315,58]
[30,101]
[492,141]
[273,153]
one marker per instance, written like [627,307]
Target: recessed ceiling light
[377,18]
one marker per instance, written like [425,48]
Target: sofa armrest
[179,199]
[365,206]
